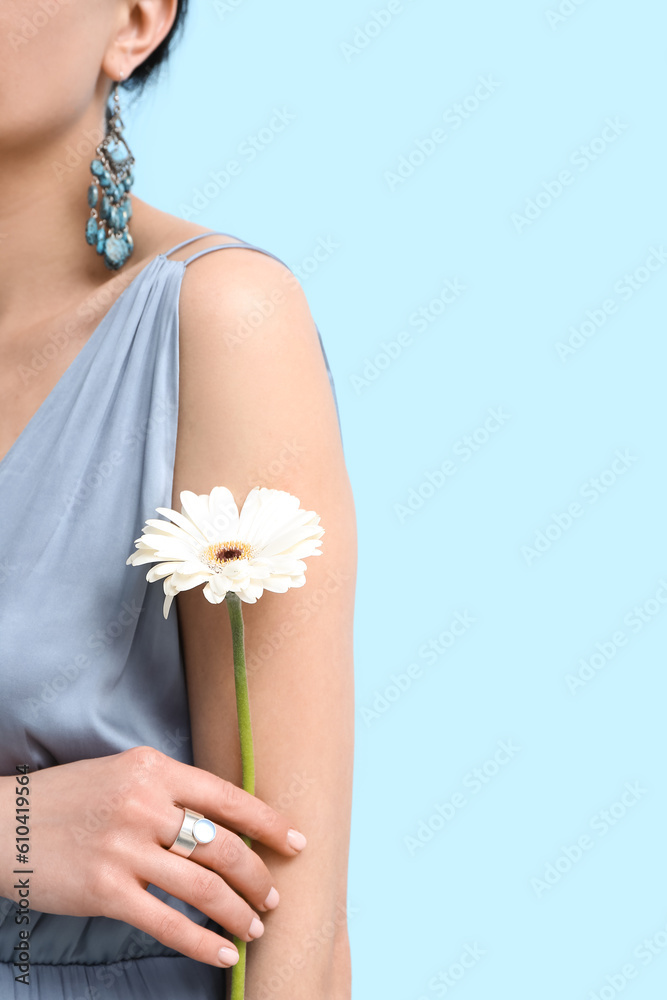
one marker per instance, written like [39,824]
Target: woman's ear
[140,27]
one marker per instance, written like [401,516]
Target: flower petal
[264,513]
[247,596]
[181,582]
[161,570]
[223,513]
[195,507]
[305,537]
[168,543]
[219,585]
[167,528]
[184,523]
[167,604]
[141,556]
[211,596]
[278,584]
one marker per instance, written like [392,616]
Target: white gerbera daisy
[209,542]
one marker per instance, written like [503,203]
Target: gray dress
[89,665]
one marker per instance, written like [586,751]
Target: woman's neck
[44,257]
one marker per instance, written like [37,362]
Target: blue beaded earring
[110,209]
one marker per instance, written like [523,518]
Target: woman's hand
[99,833]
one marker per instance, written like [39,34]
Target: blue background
[540,200]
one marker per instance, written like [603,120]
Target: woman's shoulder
[226,287]
[158,232]
[252,372]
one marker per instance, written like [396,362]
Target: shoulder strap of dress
[221,246]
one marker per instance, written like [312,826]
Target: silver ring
[195,829]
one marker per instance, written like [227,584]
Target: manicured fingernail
[228,956]
[296,839]
[256,928]
[272,899]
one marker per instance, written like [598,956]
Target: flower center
[223,552]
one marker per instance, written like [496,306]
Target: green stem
[233,603]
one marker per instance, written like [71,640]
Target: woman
[119,389]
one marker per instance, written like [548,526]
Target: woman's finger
[219,800]
[239,865]
[204,889]
[175,930]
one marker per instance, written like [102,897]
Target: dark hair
[138,79]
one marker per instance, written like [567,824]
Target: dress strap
[221,246]
[199,236]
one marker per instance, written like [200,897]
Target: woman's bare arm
[256,409]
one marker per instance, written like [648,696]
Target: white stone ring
[195,829]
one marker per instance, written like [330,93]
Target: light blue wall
[510,263]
